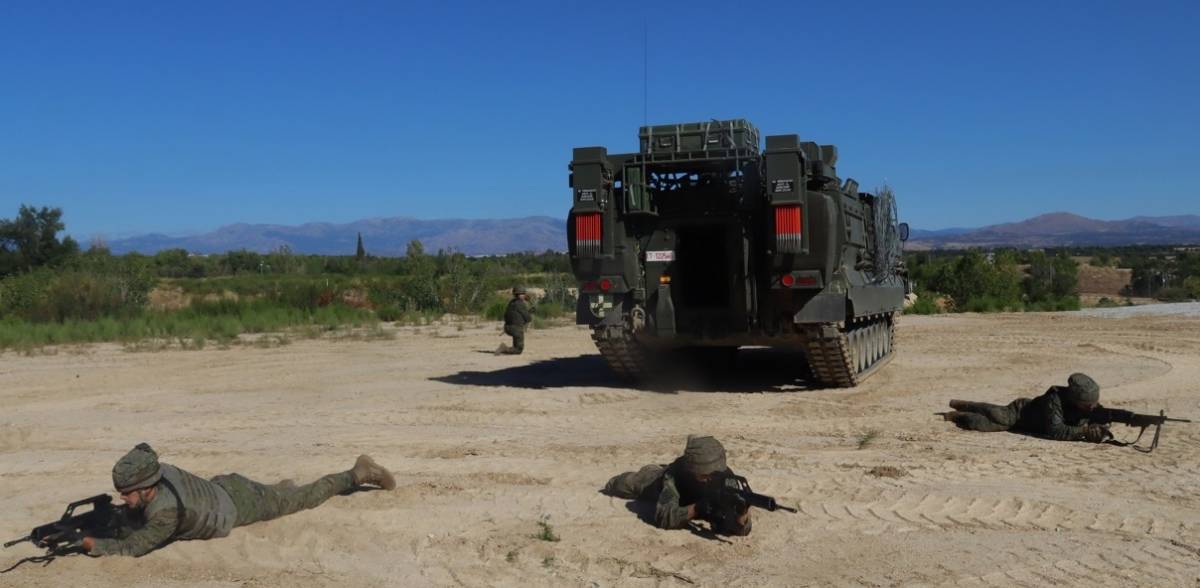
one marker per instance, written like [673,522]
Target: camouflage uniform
[211,508]
[516,316]
[672,489]
[1053,415]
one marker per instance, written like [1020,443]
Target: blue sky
[180,117]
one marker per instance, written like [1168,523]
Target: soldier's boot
[366,471]
[983,408]
[972,421]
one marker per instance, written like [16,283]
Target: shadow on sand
[645,512]
[753,370]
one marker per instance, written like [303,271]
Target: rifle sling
[1134,443]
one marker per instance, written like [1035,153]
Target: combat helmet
[703,455]
[1081,389]
[137,469]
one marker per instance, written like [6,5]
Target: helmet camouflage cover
[703,455]
[137,469]
[1082,389]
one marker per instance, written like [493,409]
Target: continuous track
[840,356]
[843,356]
[624,354]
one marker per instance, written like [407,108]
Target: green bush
[926,303]
[1192,286]
[494,311]
[95,296]
[219,321]
[390,313]
[989,304]
[1054,304]
[59,295]
[1174,294]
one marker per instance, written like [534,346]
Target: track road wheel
[626,357]
[844,355]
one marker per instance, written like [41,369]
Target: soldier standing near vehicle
[517,315]
[679,489]
[175,504]
[1061,413]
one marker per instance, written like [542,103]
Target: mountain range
[381,236]
[390,236]
[1059,229]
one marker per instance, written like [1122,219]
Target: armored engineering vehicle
[702,240]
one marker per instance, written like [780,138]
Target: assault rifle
[62,537]
[1115,415]
[732,492]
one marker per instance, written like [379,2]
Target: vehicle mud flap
[825,307]
[664,312]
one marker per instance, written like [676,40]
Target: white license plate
[660,256]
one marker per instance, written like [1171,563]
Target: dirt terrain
[485,446]
[1104,281]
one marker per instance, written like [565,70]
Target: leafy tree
[459,288]
[1187,265]
[360,253]
[243,261]
[994,281]
[281,260]
[419,287]
[1102,259]
[1039,285]
[1051,278]
[1149,276]
[1192,286]
[172,263]
[1066,276]
[31,240]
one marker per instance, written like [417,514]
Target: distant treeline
[52,291]
[1006,280]
[1166,273]
[91,294]
[1011,279]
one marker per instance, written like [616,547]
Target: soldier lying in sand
[175,504]
[679,490]
[1062,413]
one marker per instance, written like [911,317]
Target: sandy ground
[485,446]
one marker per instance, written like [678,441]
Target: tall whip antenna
[645,71]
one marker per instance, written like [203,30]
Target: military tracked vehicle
[702,240]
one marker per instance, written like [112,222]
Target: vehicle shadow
[754,370]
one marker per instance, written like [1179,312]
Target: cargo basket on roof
[692,138]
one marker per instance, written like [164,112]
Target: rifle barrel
[16,541]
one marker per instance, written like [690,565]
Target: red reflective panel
[587,233]
[788,222]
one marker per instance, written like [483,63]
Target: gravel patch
[1173,309]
